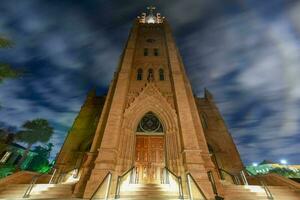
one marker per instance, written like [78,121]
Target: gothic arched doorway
[149,151]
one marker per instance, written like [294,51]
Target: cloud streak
[251,65]
[246,54]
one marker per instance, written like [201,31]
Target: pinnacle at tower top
[150,17]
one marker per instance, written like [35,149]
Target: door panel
[149,158]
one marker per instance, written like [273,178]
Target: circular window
[150,123]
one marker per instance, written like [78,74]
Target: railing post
[29,189]
[167,180]
[117,196]
[244,178]
[108,187]
[267,191]
[51,179]
[262,183]
[236,180]
[189,187]
[180,188]
[212,182]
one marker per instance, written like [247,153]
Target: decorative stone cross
[151,8]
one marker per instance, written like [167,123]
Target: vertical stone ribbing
[191,152]
[108,151]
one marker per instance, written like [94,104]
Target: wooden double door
[150,160]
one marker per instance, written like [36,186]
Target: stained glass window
[150,124]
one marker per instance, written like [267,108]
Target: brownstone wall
[155,34]
[129,99]
[217,135]
[81,134]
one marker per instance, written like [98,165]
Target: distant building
[10,155]
[267,166]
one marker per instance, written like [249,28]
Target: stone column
[85,174]
[192,159]
[108,152]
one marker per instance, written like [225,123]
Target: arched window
[139,75]
[161,75]
[203,118]
[145,51]
[150,75]
[150,124]
[156,52]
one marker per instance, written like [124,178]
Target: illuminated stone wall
[80,136]
[221,145]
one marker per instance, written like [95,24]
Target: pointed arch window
[145,51]
[161,75]
[156,52]
[139,75]
[150,75]
[150,124]
[203,118]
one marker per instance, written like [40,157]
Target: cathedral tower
[150,120]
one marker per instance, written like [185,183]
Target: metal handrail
[244,179]
[234,178]
[118,186]
[108,175]
[189,175]
[179,180]
[262,183]
[32,183]
[60,177]
[212,181]
[52,176]
[213,184]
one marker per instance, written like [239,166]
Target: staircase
[39,191]
[255,192]
[148,191]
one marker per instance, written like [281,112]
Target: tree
[3,134]
[5,70]
[40,162]
[5,43]
[37,130]
[6,136]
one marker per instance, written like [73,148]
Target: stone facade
[220,143]
[150,78]
[80,136]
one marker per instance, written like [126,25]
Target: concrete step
[148,191]
[246,198]
[39,191]
[149,198]
[253,192]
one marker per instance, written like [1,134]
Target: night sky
[247,53]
